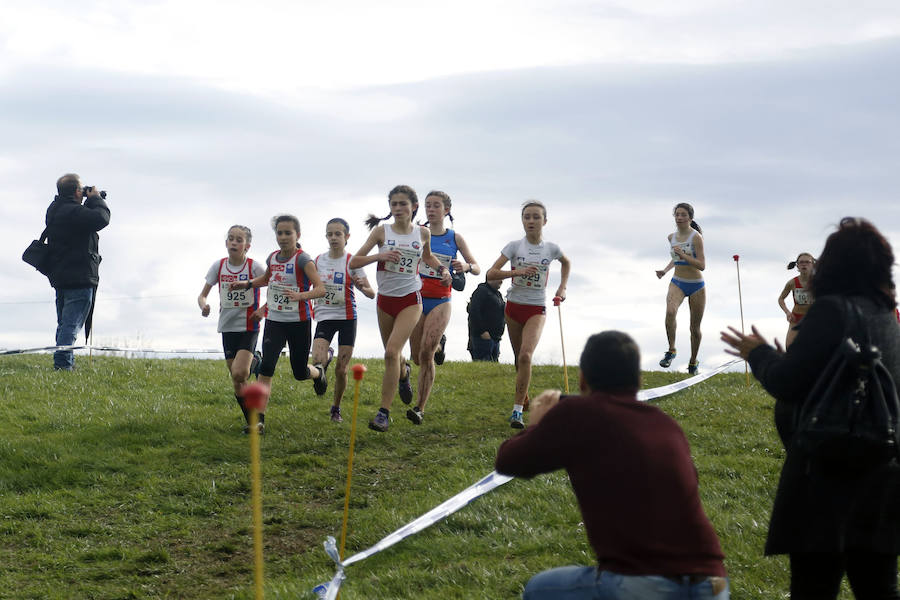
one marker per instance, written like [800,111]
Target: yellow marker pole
[737,265]
[255,399]
[557,301]
[358,371]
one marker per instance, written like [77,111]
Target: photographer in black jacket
[75,260]
[486,321]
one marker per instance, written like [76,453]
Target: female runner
[687,281]
[803,296]
[335,312]
[293,281]
[401,246]
[426,337]
[530,260]
[236,324]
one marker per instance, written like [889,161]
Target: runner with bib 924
[293,281]
[335,312]
[401,246]
[237,324]
[530,260]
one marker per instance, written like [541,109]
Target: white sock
[518,407]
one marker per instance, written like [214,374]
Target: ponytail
[694,225]
[372,221]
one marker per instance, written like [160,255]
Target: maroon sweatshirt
[630,467]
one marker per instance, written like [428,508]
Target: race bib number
[802,296]
[445,261]
[685,246]
[334,295]
[229,298]
[409,261]
[538,281]
[279,301]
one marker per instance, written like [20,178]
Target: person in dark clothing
[830,519]
[75,259]
[631,470]
[486,321]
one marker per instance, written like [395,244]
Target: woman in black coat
[831,519]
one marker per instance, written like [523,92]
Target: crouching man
[630,468]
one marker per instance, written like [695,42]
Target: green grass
[130,479]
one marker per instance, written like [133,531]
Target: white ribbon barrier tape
[108,349]
[329,590]
[665,390]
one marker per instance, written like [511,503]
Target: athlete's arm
[201,300]
[362,258]
[495,271]
[459,266]
[363,285]
[784,294]
[699,262]
[431,260]
[318,288]
[659,274]
[563,276]
[261,281]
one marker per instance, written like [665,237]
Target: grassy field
[129,479]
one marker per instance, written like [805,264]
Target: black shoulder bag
[37,254]
[850,416]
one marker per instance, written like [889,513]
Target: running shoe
[380,422]
[336,414]
[667,359]
[439,354]
[404,387]
[415,415]
[255,362]
[260,429]
[515,420]
[693,367]
[320,383]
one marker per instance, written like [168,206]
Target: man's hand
[540,405]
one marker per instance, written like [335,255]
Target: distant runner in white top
[689,261]
[238,322]
[401,246]
[530,260]
[800,289]
[335,312]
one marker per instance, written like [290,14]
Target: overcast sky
[773,119]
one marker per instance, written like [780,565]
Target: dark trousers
[484,349]
[298,336]
[817,575]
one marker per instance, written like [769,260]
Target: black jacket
[820,507]
[74,244]
[486,312]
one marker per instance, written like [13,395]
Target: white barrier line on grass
[494,480]
[665,390]
[108,349]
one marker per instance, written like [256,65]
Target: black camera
[88,189]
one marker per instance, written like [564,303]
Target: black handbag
[37,254]
[850,416]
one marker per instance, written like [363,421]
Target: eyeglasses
[850,222]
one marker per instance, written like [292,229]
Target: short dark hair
[611,362]
[856,261]
[67,184]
